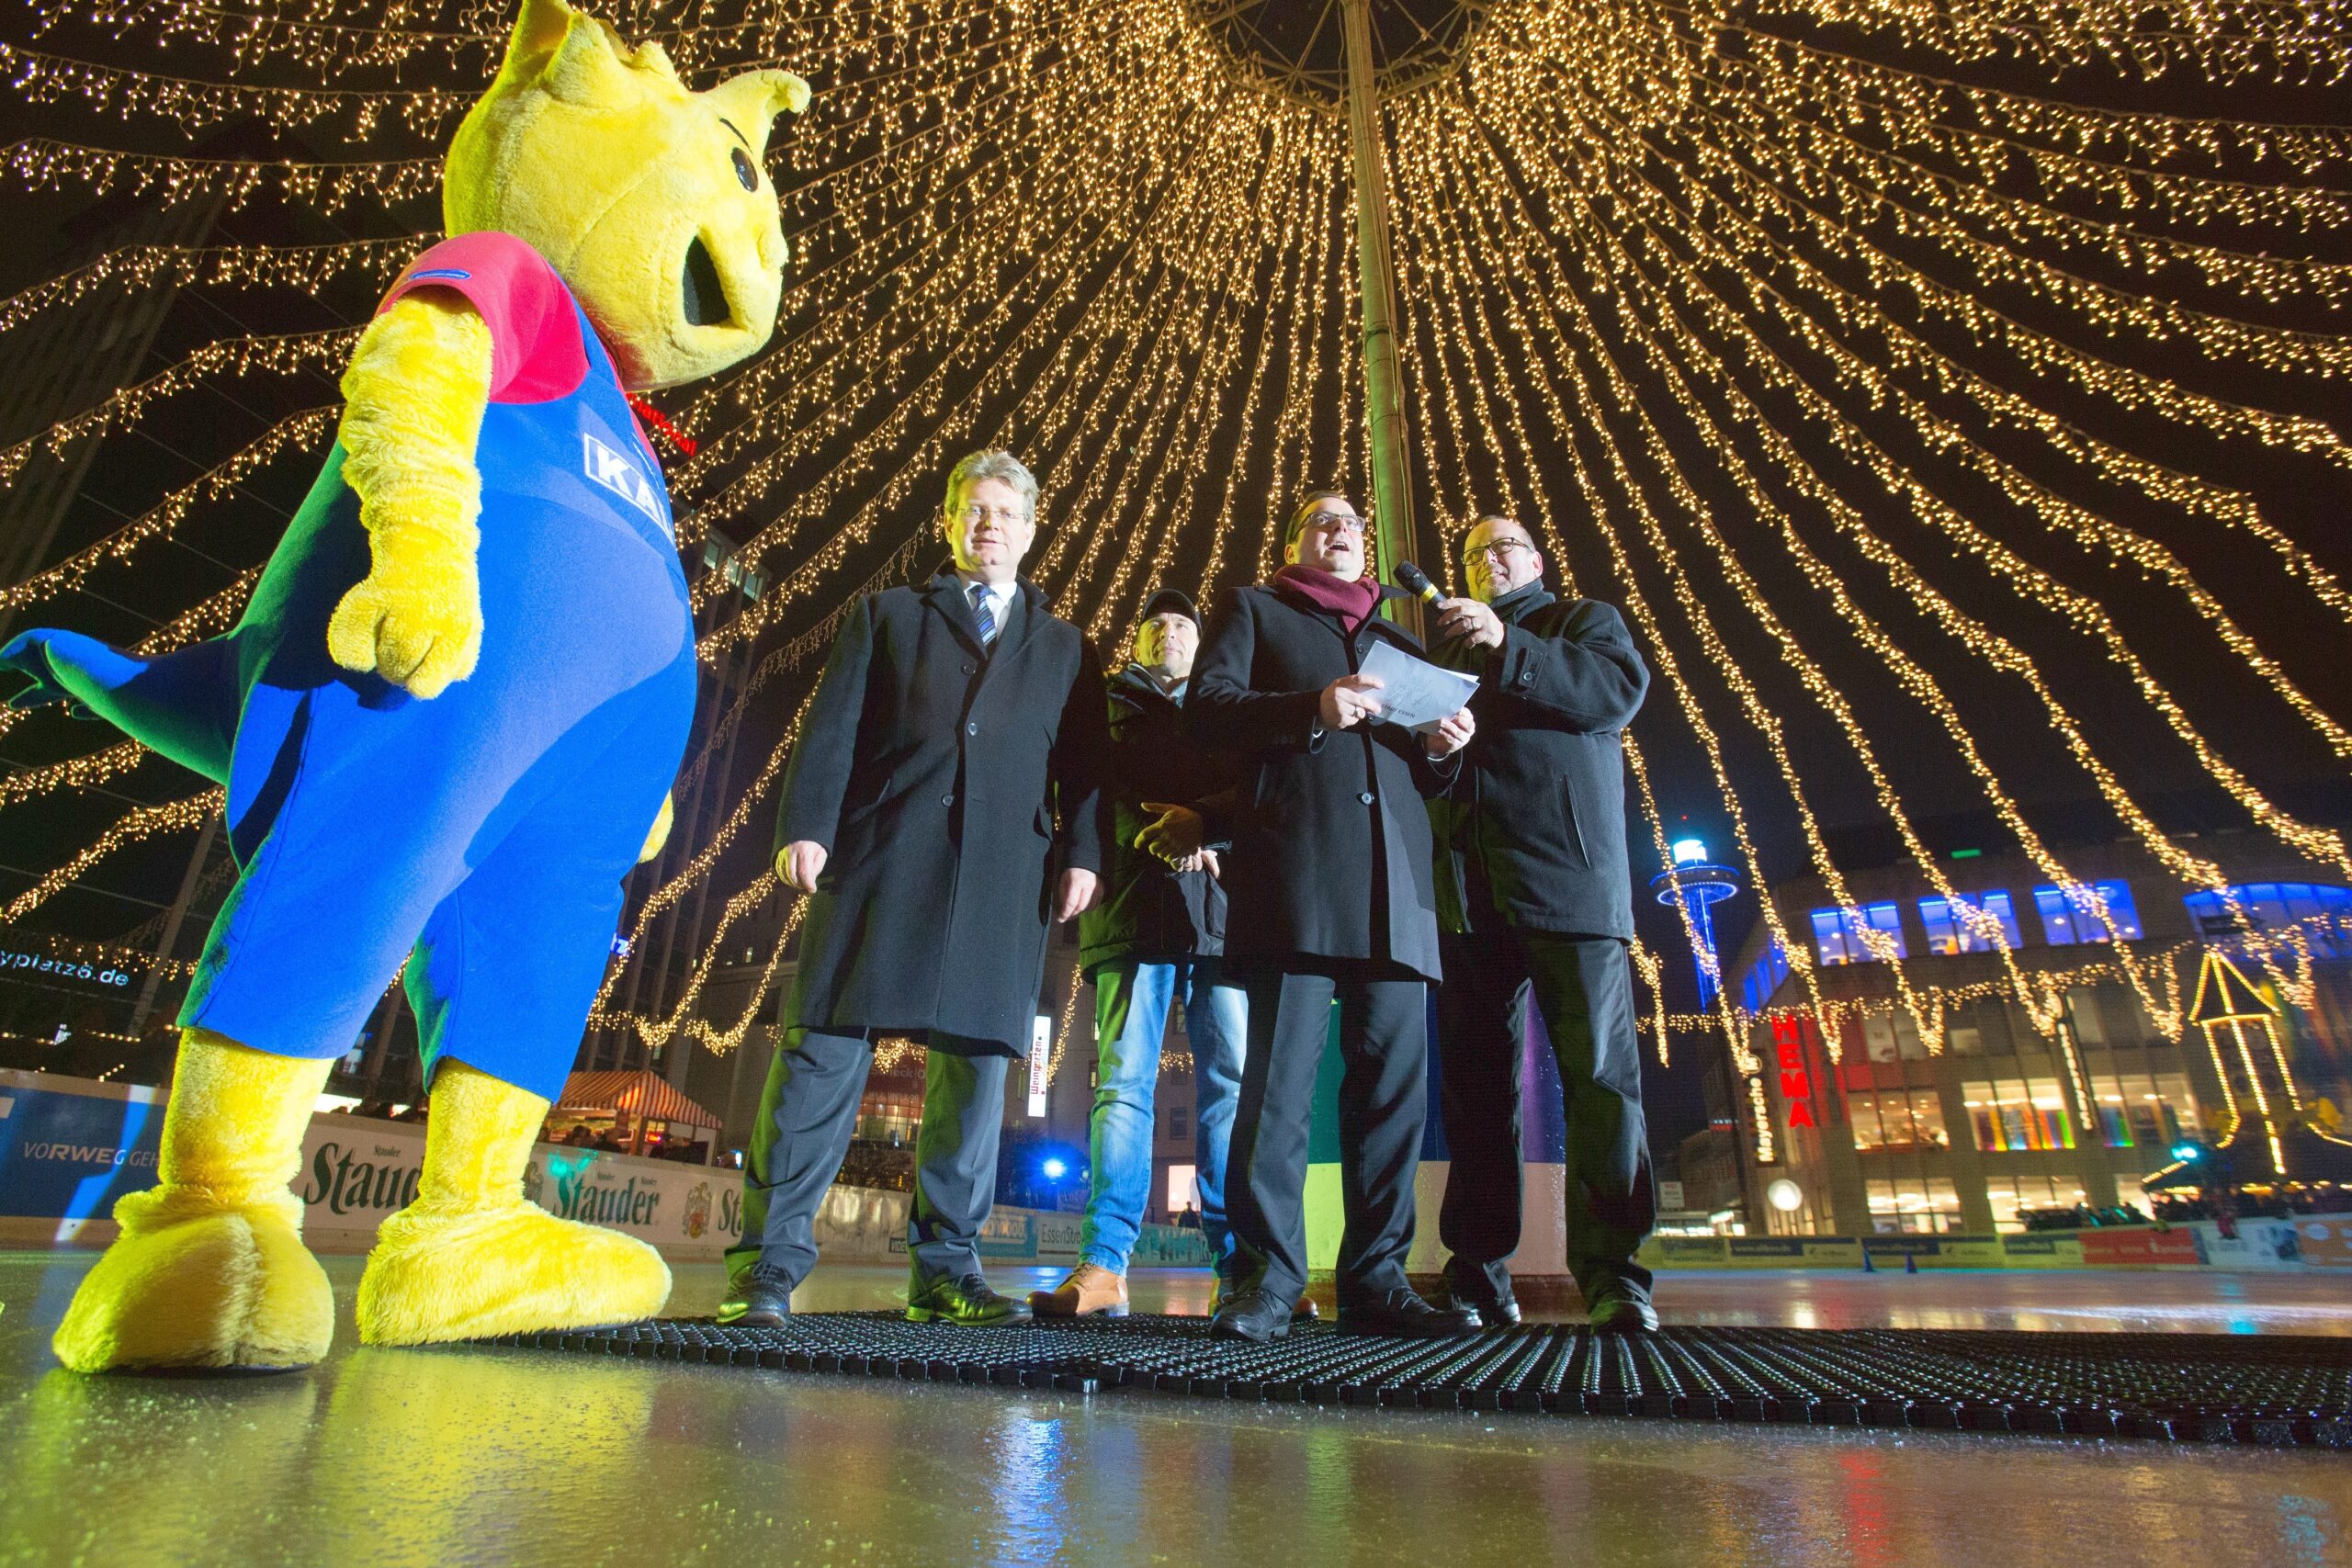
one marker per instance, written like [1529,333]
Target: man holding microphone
[940,809]
[1536,892]
[1333,900]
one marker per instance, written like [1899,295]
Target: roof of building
[2224,993]
[641,1094]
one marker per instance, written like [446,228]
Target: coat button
[970,667]
[1365,798]
[947,799]
[971,729]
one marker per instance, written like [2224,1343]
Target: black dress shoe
[1402,1313]
[1472,1290]
[968,1300]
[1304,1310]
[760,1297]
[1255,1316]
[1622,1309]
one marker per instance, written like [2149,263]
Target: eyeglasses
[1498,550]
[1337,523]
[1002,516]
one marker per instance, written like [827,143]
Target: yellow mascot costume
[454,706]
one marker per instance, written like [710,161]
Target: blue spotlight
[1055,1168]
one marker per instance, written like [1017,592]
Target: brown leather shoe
[1090,1291]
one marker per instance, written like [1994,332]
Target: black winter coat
[931,770]
[1330,855]
[1540,803]
[1149,911]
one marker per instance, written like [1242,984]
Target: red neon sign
[1796,1083]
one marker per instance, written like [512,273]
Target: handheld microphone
[1416,581]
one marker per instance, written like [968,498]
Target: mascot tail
[182,704]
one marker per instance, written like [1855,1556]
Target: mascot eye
[745,170]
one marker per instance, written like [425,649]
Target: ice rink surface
[476,1456]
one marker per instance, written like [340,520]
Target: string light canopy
[1949,390]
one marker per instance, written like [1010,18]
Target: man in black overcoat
[1151,947]
[1331,898]
[941,809]
[1536,891]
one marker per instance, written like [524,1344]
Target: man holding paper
[1333,898]
[1536,893]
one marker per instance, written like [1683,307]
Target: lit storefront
[2027,1111]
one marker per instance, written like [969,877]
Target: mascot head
[648,199]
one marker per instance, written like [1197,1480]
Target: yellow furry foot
[193,1283]
[442,1273]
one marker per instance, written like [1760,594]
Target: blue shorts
[483,834]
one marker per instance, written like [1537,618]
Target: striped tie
[984,612]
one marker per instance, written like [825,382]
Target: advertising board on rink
[68,1148]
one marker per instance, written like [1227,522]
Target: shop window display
[1914,1205]
[2017,1115]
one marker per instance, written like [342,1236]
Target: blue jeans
[1131,1003]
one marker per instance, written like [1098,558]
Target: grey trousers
[808,1114]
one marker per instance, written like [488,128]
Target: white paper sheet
[1413,691]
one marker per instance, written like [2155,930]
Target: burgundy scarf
[1353,603]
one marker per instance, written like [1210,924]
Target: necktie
[984,612]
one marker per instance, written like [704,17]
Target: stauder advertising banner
[68,1148]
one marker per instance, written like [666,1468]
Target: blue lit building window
[1837,933]
[1949,932]
[1764,977]
[2323,911]
[1830,937]
[2062,924]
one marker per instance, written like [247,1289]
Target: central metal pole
[1392,492]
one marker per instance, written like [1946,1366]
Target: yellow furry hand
[413,396]
[416,618]
[661,832]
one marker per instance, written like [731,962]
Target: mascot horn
[453,707]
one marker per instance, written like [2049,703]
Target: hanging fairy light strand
[2192,870]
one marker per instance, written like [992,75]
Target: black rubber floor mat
[2274,1391]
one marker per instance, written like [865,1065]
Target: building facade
[1858,1120]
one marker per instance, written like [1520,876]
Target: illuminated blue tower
[1698,884]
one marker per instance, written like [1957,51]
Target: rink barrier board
[68,1148]
[2306,1242]
[2266,1391]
